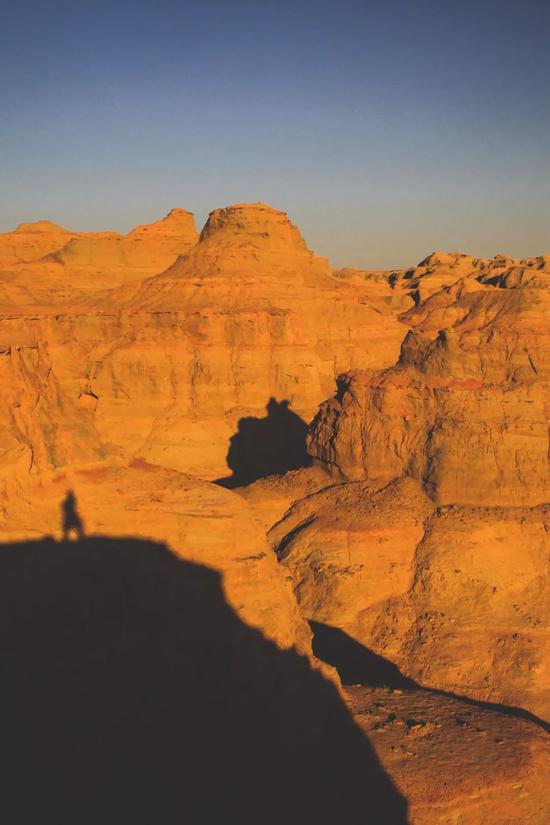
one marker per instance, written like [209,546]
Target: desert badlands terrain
[312,511]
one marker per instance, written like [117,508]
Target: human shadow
[266,446]
[132,693]
[71,521]
[358,665]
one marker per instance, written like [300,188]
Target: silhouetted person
[71,521]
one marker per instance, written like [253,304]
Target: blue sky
[385,129]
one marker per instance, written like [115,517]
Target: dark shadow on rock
[265,446]
[132,693]
[71,521]
[358,665]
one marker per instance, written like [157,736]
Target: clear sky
[385,128]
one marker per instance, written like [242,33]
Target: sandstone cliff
[43,265]
[430,543]
[167,367]
[415,525]
[465,410]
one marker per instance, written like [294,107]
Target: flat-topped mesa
[248,255]
[253,240]
[259,223]
[247,315]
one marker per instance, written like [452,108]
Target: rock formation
[200,523]
[166,367]
[43,265]
[113,606]
[456,596]
[465,410]
[133,688]
[454,762]
[409,513]
[30,242]
[436,554]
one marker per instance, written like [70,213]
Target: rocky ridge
[44,266]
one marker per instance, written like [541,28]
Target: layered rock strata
[42,265]
[241,337]
[457,597]
[437,554]
[465,410]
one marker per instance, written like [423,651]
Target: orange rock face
[409,513]
[456,596]
[465,410]
[199,522]
[436,555]
[166,367]
[454,762]
[44,265]
[30,242]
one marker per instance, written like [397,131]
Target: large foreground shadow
[132,693]
[264,446]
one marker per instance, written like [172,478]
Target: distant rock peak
[260,223]
[41,226]
[177,222]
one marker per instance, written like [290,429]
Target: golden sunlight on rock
[299,513]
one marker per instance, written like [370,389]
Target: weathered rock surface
[456,763]
[198,521]
[421,528]
[465,410]
[31,241]
[167,367]
[438,556]
[44,265]
[272,497]
[457,597]
[498,767]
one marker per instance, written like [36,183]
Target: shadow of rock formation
[132,693]
[358,665]
[264,446]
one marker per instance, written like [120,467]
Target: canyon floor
[275,537]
